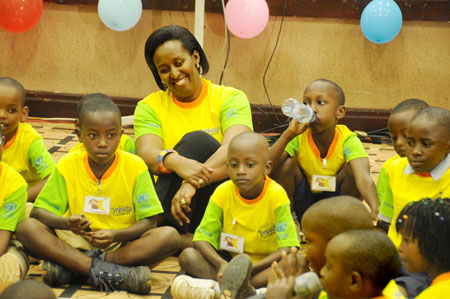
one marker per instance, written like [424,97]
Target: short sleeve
[292,147]
[235,110]
[146,202]
[211,225]
[53,196]
[385,196]
[353,148]
[146,121]
[40,158]
[13,209]
[285,228]
[130,146]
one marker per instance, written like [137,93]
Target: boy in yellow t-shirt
[24,148]
[317,160]
[96,199]
[398,122]
[13,197]
[248,214]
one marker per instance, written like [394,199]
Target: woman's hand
[102,238]
[195,173]
[182,201]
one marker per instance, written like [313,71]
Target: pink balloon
[247,18]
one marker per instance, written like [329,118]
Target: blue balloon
[381,21]
[120,15]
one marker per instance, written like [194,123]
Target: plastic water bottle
[302,113]
[306,284]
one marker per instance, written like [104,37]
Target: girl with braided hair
[425,230]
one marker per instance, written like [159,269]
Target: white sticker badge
[97,205]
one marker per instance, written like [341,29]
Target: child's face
[316,243]
[333,277]
[176,68]
[11,110]
[100,134]
[247,167]
[410,254]
[323,100]
[428,144]
[398,126]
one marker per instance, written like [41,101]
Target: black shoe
[58,275]
[111,277]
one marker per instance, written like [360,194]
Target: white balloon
[120,15]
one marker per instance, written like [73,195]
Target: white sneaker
[10,271]
[186,287]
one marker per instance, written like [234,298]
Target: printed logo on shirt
[212,131]
[10,207]
[152,125]
[142,200]
[205,232]
[122,210]
[264,234]
[231,113]
[23,172]
[281,227]
[39,164]
[346,151]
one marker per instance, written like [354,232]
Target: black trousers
[199,146]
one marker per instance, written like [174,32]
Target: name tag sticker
[97,205]
[231,243]
[323,183]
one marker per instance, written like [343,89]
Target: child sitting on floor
[13,197]
[251,209]
[398,123]
[424,227]
[426,170]
[322,159]
[121,222]
[24,148]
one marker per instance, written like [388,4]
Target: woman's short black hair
[172,32]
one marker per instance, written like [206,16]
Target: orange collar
[331,149]
[195,102]
[423,174]
[1,168]
[107,173]
[11,141]
[260,196]
[441,277]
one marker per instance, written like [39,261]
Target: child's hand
[296,128]
[288,266]
[78,225]
[102,238]
[280,288]
[220,271]
[182,201]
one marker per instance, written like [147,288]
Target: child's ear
[78,129]
[25,111]
[268,167]
[340,113]
[121,132]
[357,283]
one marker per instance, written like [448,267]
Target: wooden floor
[59,137]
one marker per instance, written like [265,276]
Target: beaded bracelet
[161,157]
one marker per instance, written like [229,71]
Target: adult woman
[182,132]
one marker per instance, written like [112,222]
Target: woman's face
[177,69]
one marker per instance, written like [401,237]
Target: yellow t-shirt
[439,289]
[27,154]
[345,147]
[384,191]
[214,111]
[13,197]
[265,222]
[126,144]
[123,196]
[412,187]
[391,291]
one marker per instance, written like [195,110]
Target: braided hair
[428,221]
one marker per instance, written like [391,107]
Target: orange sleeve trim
[1,168]
[196,102]
[331,149]
[11,141]
[108,172]
[380,297]
[441,278]
[260,196]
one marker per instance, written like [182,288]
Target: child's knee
[171,238]
[29,227]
